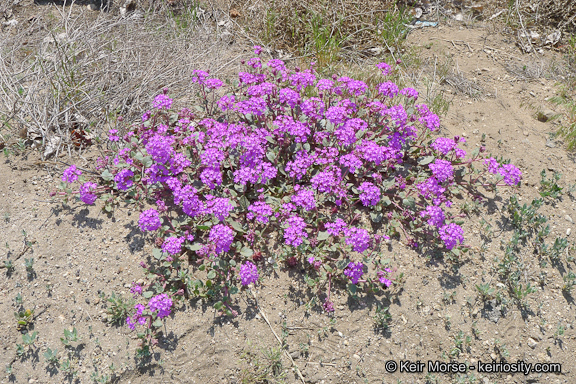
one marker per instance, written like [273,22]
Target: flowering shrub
[284,151]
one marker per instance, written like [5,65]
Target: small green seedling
[69,336]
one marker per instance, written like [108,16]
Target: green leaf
[147,161]
[455,251]
[233,290]
[386,200]
[211,275]
[237,226]
[246,252]
[376,217]
[271,156]
[157,253]
[194,246]
[426,160]
[271,140]
[218,305]
[323,235]
[147,294]
[204,227]
[157,323]
[352,288]
[106,175]
[409,201]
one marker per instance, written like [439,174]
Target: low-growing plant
[69,337]
[119,308]
[550,187]
[284,152]
[382,318]
[51,357]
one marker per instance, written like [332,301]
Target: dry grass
[87,69]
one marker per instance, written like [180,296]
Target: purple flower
[214,83]
[430,121]
[122,178]
[260,210]
[313,108]
[162,102]
[442,170]
[443,145]
[336,228]
[435,215]
[220,207]
[410,93]
[160,148]
[304,198]
[112,135]
[371,195]
[257,49]
[137,317]
[324,85]
[354,271]
[511,174]
[336,115]
[289,96]
[222,236]
[302,79]
[431,187]
[226,102]
[86,194]
[327,181]
[149,220]
[136,289]
[358,238]
[161,304]
[382,277]
[388,89]
[385,68]
[211,176]
[350,161]
[71,174]
[248,273]
[295,234]
[173,245]
[451,234]
[492,165]
[328,305]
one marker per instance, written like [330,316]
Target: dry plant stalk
[87,70]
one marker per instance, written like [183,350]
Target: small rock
[356,356]
[526,133]
[87,300]
[546,115]
[532,343]
[459,17]
[345,342]
[96,301]
[92,7]
[568,231]
[493,356]
[550,144]
[568,218]
[295,354]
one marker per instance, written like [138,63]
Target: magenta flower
[248,273]
[162,102]
[71,174]
[451,235]
[86,194]
[149,220]
[354,271]
[161,304]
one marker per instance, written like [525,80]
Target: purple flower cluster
[451,234]
[161,304]
[123,180]
[173,245]
[442,170]
[354,271]
[370,195]
[511,174]
[137,317]
[71,174]
[86,194]
[358,238]
[295,234]
[222,236]
[304,198]
[162,102]
[259,210]
[160,148]
[149,220]
[248,273]
[220,207]
[435,215]
[383,277]
[336,228]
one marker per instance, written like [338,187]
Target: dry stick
[277,338]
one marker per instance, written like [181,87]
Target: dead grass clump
[324,30]
[462,85]
[83,72]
